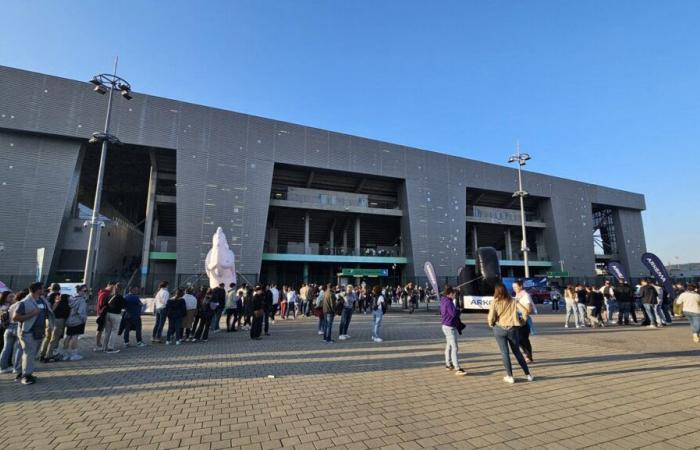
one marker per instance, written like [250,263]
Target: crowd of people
[33,321]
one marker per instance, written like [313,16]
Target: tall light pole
[521,158]
[103,82]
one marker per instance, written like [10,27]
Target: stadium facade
[296,203]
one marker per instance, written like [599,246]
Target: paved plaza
[620,387]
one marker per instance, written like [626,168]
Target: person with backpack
[132,316]
[378,309]
[328,308]
[61,310]
[175,311]
[52,298]
[75,323]
[113,317]
[9,355]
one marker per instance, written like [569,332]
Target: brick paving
[611,388]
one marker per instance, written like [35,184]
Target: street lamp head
[524,157]
[95,81]
[126,94]
[100,89]
[512,159]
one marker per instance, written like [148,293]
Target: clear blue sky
[600,91]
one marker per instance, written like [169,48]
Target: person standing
[318,311]
[650,298]
[61,310]
[610,301]
[114,308]
[162,297]
[625,303]
[218,299]
[10,360]
[44,349]
[570,298]
[506,316]
[32,314]
[75,323]
[175,311]
[132,316]
[449,316]
[230,307]
[102,297]
[275,300]
[594,306]
[328,313]
[258,306]
[303,299]
[581,305]
[689,301]
[191,306]
[269,310]
[204,315]
[524,332]
[554,297]
[349,299]
[379,306]
[247,307]
[291,303]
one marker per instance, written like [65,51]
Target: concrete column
[357,236]
[332,239]
[306,272]
[148,224]
[475,241]
[509,245]
[345,240]
[307,232]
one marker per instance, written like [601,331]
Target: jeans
[345,320]
[451,348]
[112,322]
[650,310]
[257,325]
[662,312]
[377,319]
[160,323]
[44,346]
[291,307]
[328,328]
[571,310]
[594,316]
[509,338]
[524,340]
[623,316]
[214,325]
[132,323]
[581,314]
[174,328]
[610,308]
[10,347]
[30,348]
[59,330]
[693,318]
[555,305]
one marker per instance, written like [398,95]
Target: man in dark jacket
[258,305]
[649,298]
[218,299]
[625,301]
[269,309]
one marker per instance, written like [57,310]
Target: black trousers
[236,316]
[203,328]
[256,328]
[524,337]
[266,321]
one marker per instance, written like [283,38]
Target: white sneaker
[7,370]
[341,337]
[509,380]
[167,342]
[177,342]
[320,333]
[652,326]
[141,344]
[347,336]
[378,340]
[530,378]
[76,357]
[567,326]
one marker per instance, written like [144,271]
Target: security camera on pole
[521,158]
[103,82]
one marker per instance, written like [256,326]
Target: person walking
[349,299]
[506,316]
[32,313]
[258,306]
[379,306]
[132,316]
[61,311]
[524,332]
[161,298]
[114,308]
[75,323]
[175,311]
[328,305]
[581,305]
[594,306]
[451,326]
[52,298]
[689,301]
[570,299]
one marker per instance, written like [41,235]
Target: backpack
[339,305]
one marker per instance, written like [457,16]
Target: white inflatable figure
[220,263]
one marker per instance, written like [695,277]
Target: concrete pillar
[509,245]
[357,236]
[148,224]
[307,232]
[475,240]
[345,240]
[306,272]
[332,240]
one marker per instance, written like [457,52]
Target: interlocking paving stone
[618,387]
